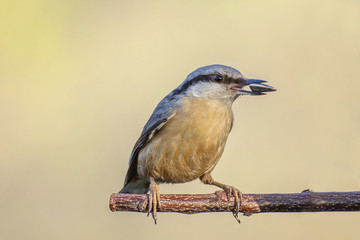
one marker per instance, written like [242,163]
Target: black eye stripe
[225,79]
[207,78]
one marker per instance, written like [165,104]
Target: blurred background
[79,79]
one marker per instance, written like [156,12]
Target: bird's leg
[230,190]
[154,198]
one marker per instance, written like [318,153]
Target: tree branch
[306,201]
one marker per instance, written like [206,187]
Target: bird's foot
[154,199]
[230,190]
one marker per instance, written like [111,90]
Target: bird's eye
[218,78]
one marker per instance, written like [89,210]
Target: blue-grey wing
[162,114]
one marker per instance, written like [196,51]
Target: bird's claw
[238,199]
[154,200]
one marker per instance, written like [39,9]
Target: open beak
[257,87]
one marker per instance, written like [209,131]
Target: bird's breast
[189,144]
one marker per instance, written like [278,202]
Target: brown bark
[306,201]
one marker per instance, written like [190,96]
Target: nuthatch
[186,134]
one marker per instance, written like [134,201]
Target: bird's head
[221,82]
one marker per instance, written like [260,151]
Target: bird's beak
[257,87]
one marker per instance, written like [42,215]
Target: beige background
[79,79]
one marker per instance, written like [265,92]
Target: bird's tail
[136,185]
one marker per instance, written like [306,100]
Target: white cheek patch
[205,89]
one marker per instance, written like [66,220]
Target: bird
[185,136]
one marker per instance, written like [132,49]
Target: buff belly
[189,144]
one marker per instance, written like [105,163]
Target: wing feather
[161,115]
